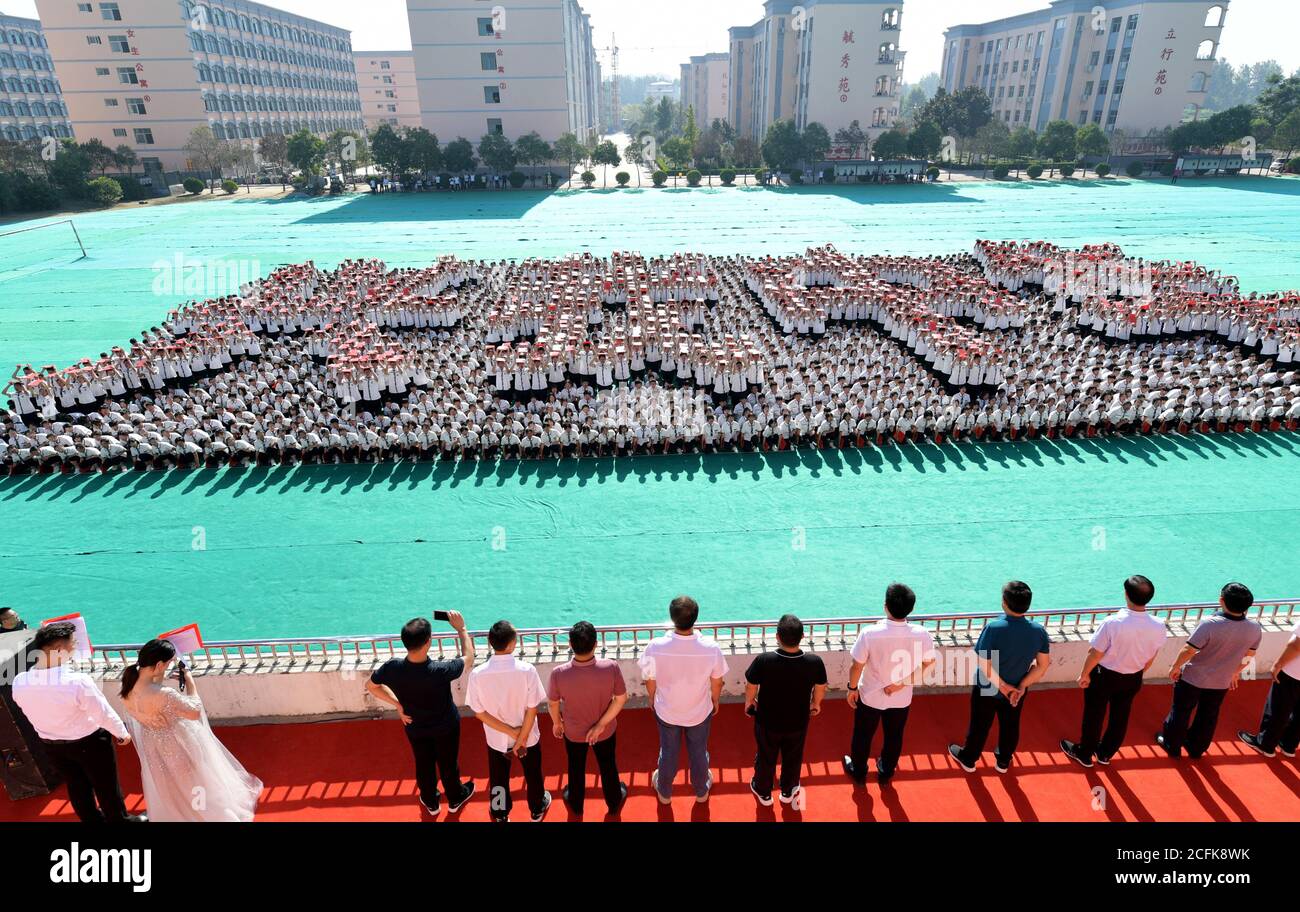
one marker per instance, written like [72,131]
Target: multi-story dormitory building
[145,73]
[31,105]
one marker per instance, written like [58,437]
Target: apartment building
[146,73]
[831,62]
[31,102]
[483,67]
[706,87]
[1133,66]
[386,83]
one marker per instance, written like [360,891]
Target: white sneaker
[654,784]
[708,784]
[790,798]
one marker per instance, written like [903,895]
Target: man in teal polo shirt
[1011,656]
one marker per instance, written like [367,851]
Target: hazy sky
[654,38]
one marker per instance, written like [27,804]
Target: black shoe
[852,771]
[136,818]
[622,800]
[467,792]
[954,751]
[764,800]
[1104,761]
[546,806]
[576,812]
[1160,743]
[1252,742]
[883,777]
[435,807]
[1071,750]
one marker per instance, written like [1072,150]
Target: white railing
[627,641]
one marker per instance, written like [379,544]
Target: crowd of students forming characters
[583,356]
[683,672]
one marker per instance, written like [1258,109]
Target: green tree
[1280,98]
[782,145]
[816,141]
[386,149]
[1287,134]
[992,142]
[420,152]
[101,156]
[126,158]
[1092,140]
[1058,142]
[306,152]
[498,153]
[891,144]
[532,150]
[569,149]
[606,154]
[925,141]
[459,156]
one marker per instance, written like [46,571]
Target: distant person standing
[1011,656]
[584,697]
[783,691]
[1122,649]
[77,726]
[1209,666]
[505,693]
[420,688]
[683,674]
[1280,726]
[888,659]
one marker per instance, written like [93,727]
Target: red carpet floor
[342,771]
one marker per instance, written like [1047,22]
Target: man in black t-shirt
[420,688]
[783,691]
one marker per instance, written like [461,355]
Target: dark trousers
[1107,692]
[499,781]
[865,721]
[1281,722]
[983,710]
[1181,729]
[774,745]
[605,762]
[89,767]
[437,756]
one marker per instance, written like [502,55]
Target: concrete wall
[375,82]
[302,694]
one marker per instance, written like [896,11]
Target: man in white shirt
[504,694]
[76,725]
[683,674]
[888,659]
[1122,649]
[1280,726]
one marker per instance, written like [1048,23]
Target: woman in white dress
[188,775]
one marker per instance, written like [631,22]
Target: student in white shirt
[888,659]
[504,694]
[1122,649]
[76,725]
[683,674]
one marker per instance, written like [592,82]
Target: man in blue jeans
[683,674]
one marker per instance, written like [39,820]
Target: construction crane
[616,108]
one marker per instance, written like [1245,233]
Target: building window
[491,95]
[485,29]
[1214,17]
[1205,50]
[110,12]
[119,132]
[1110,58]
[1093,60]
[1132,23]
[94,39]
[1119,87]
[126,76]
[495,127]
[488,61]
[101,71]
[119,44]
[136,106]
[83,7]
[144,136]
[1116,23]
[110,102]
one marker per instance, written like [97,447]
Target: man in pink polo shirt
[584,697]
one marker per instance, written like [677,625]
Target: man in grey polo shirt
[1206,669]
